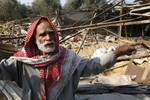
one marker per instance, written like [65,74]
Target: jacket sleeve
[97,65]
[8,69]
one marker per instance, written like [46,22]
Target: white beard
[47,46]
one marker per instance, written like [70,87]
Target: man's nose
[49,36]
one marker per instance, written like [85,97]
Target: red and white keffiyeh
[50,66]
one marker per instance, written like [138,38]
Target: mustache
[49,42]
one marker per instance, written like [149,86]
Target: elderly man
[46,71]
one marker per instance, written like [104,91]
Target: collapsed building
[97,28]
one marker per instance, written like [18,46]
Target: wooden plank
[106,24]
[100,88]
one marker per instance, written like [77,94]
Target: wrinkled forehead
[43,27]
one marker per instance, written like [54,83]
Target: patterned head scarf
[29,46]
[50,68]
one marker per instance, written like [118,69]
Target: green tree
[79,4]
[11,9]
[45,7]
[23,11]
[72,4]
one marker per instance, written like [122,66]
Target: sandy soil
[120,67]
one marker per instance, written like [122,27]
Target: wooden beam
[138,14]
[121,12]
[113,33]
[106,24]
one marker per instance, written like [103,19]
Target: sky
[129,1]
[28,2]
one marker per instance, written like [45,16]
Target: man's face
[45,37]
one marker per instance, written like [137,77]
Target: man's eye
[50,32]
[43,34]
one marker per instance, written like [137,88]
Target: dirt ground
[120,67]
[89,47]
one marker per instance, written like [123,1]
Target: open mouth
[50,44]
